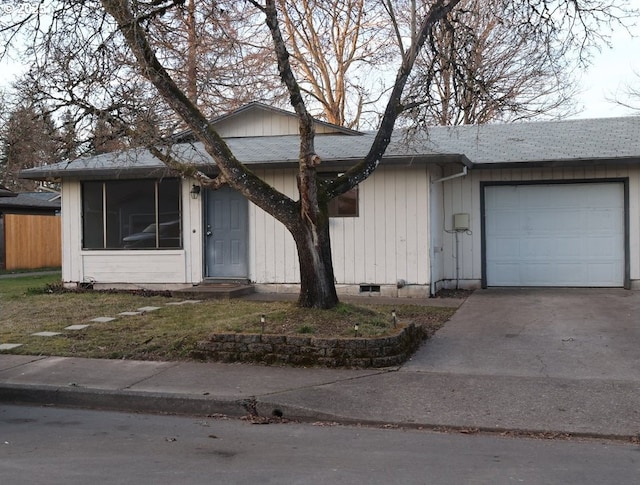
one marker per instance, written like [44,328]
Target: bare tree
[488,62]
[111,43]
[339,49]
[105,138]
[217,51]
[630,97]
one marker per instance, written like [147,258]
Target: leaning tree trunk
[317,283]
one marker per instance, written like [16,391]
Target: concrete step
[214,291]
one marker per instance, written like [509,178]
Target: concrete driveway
[566,333]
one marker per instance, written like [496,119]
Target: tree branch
[234,172]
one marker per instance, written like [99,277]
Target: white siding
[262,123]
[463,195]
[272,252]
[134,267]
[388,242]
[71,212]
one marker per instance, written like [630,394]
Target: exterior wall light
[195,191]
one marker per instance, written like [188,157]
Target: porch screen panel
[92,215]
[131,214]
[130,211]
[169,214]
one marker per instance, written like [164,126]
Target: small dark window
[345,205]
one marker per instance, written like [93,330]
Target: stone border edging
[274,349]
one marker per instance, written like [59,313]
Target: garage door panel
[570,274]
[504,222]
[533,248]
[555,235]
[569,247]
[536,273]
[570,221]
[539,223]
[504,200]
[603,272]
[509,273]
[508,247]
[600,247]
[605,221]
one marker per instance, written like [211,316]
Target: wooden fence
[32,241]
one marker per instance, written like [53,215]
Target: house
[29,230]
[526,204]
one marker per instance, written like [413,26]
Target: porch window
[131,214]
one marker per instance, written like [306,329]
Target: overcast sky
[611,71]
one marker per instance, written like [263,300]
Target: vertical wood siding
[71,232]
[32,241]
[262,123]
[389,241]
[272,251]
[463,195]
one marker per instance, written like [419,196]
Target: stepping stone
[46,334]
[184,302]
[76,327]
[9,346]
[103,319]
[148,308]
[130,314]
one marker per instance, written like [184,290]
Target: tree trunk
[317,283]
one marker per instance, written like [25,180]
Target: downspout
[454,176]
[431,258]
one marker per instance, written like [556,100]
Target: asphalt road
[44,445]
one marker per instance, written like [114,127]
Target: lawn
[31,304]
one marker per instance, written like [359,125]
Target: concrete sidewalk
[403,397]
[550,361]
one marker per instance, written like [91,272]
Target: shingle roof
[570,141]
[5,192]
[30,201]
[272,151]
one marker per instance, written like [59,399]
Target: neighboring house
[29,230]
[527,204]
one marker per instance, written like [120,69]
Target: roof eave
[97,173]
[572,162]
[50,174]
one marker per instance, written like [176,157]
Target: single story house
[523,204]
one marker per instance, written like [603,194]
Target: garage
[554,234]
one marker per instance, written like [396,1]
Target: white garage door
[555,235]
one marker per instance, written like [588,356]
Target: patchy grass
[32,304]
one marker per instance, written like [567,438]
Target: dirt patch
[453,293]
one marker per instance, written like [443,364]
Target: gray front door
[226,216]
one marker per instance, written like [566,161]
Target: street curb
[201,405]
[297,413]
[121,400]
